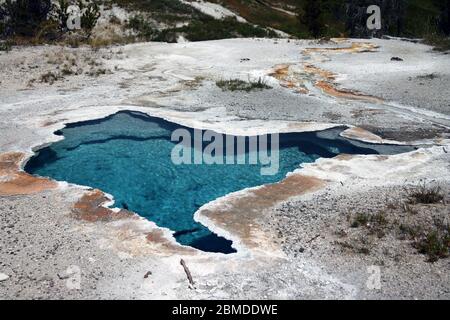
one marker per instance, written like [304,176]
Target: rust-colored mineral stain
[129,236]
[331,90]
[280,71]
[157,237]
[241,214]
[90,208]
[325,79]
[310,69]
[16,182]
[287,80]
[355,47]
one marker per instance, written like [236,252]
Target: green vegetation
[212,29]
[434,242]
[329,18]
[5,46]
[376,224]
[49,77]
[240,85]
[199,26]
[416,218]
[24,17]
[165,10]
[139,24]
[36,21]
[91,13]
[439,42]
[425,194]
[262,14]
[361,219]
[203,29]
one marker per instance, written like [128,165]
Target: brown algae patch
[325,74]
[355,47]
[239,214]
[288,79]
[91,208]
[324,79]
[159,239]
[130,233]
[13,181]
[330,89]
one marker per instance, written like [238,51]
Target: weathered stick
[312,239]
[188,273]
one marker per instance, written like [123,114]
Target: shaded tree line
[398,17]
[444,16]
[44,18]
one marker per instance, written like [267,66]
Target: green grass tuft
[240,85]
[425,194]
[438,42]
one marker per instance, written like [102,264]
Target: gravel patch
[323,229]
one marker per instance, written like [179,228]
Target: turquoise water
[128,155]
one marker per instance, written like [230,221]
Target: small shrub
[356,245]
[90,15]
[433,242]
[24,17]
[364,250]
[213,29]
[413,232]
[438,42]
[49,77]
[97,72]
[425,195]
[379,219]
[115,20]
[361,219]
[429,76]
[435,245]
[5,46]
[143,28]
[375,224]
[48,31]
[66,71]
[378,223]
[61,14]
[240,85]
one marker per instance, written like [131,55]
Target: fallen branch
[312,239]
[188,273]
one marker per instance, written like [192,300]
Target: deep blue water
[128,155]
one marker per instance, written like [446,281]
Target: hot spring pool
[128,155]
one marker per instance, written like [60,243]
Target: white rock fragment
[3,277]
[214,10]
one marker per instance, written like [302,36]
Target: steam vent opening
[128,155]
